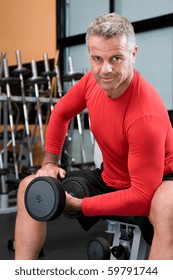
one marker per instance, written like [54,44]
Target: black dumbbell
[99,249]
[45,196]
[4,171]
[72,76]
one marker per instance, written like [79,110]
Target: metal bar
[6,74]
[25,112]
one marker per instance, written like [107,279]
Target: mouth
[106,80]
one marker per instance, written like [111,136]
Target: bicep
[71,104]
[146,154]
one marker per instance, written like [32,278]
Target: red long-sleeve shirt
[134,134]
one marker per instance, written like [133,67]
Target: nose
[106,67]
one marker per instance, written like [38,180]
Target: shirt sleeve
[146,139]
[71,104]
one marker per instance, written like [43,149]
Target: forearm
[50,166]
[50,158]
[117,203]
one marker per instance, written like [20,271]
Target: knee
[22,188]
[161,211]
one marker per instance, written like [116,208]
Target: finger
[62,173]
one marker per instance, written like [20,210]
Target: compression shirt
[134,134]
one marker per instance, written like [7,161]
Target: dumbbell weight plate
[10,81]
[44,198]
[36,80]
[72,76]
[24,71]
[77,187]
[48,73]
[4,171]
[98,249]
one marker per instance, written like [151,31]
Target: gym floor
[66,240]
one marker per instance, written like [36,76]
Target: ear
[134,54]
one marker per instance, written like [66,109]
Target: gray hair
[111,25]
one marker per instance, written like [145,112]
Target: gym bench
[131,238]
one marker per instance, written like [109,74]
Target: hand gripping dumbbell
[45,196]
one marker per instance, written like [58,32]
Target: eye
[116,58]
[96,58]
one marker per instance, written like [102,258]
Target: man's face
[112,63]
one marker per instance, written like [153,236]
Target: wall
[155,47]
[77,21]
[137,10]
[30,26]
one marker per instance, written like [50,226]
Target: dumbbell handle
[34,69]
[46,62]
[6,69]
[18,58]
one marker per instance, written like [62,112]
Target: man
[132,128]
